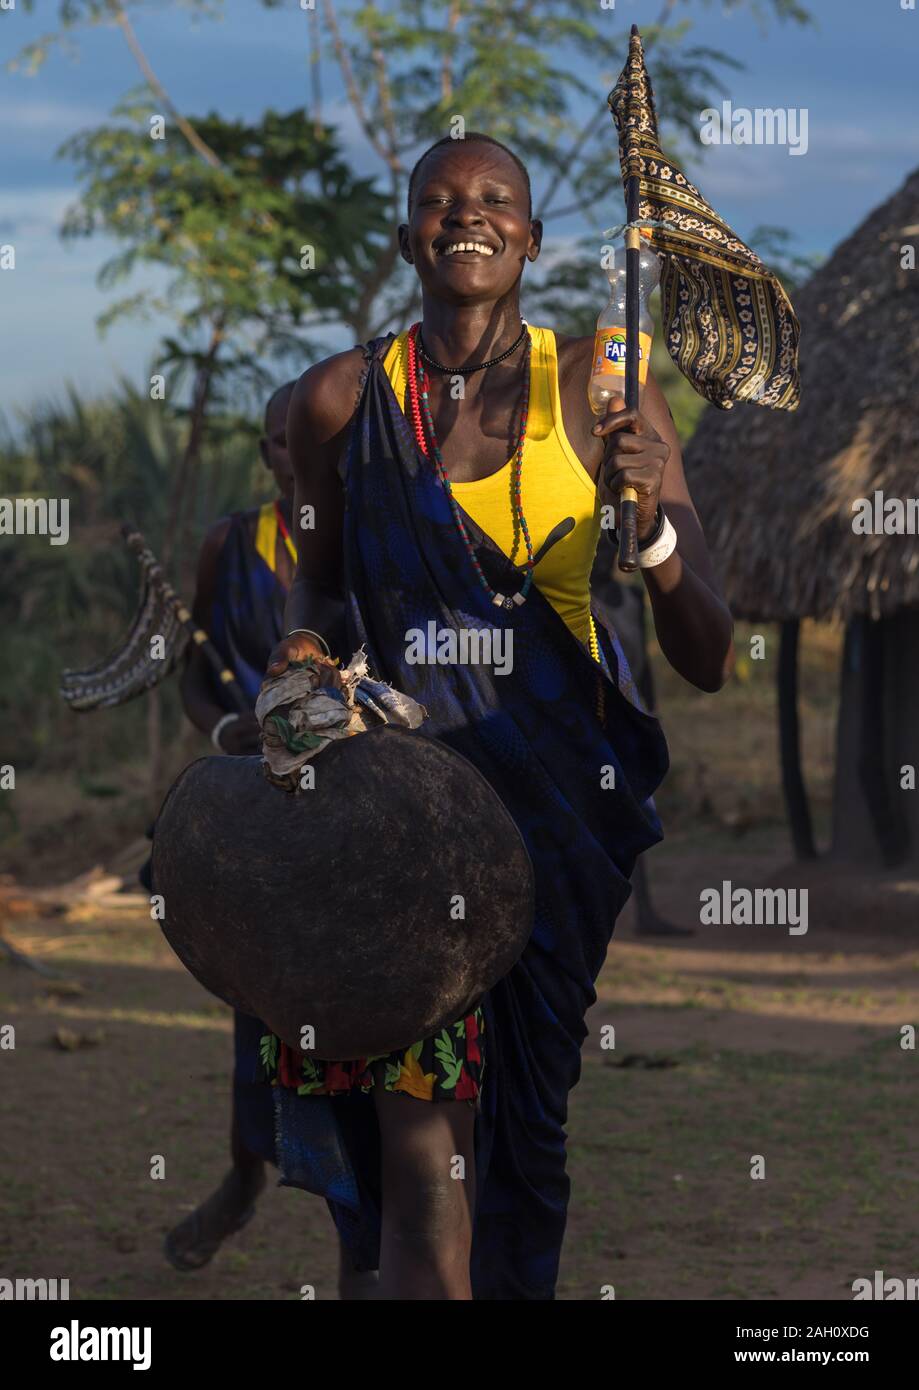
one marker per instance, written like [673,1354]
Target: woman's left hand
[635,457]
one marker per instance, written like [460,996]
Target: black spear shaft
[628,497]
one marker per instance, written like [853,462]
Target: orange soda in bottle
[607,376]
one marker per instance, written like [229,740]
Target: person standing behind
[245,568]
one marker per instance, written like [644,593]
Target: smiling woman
[457,476]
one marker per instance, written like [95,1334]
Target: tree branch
[191,135]
[179,522]
[564,171]
[446,67]
[315,76]
[200,146]
[354,95]
[389,125]
[389,252]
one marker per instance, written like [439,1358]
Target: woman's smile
[465,249]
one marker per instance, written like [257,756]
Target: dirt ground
[735,1042]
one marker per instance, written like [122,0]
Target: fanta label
[609,353]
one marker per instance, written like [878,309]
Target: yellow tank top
[555,486]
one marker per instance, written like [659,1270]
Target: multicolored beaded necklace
[418,388]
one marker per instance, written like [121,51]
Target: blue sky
[855,72]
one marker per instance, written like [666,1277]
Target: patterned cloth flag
[730,326]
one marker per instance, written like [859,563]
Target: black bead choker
[480,366]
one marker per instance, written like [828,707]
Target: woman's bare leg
[428,1172]
[355,1285]
[195,1241]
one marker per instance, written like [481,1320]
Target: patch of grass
[827,1173]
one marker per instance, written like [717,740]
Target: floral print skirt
[446,1066]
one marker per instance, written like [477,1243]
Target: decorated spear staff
[628,498]
[131,668]
[729,325]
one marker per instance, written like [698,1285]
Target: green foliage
[230,237]
[224,235]
[268,1052]
[520,71]
[76,14]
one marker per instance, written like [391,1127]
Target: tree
[524,72]
[260,246]
[222,209]
[531,72]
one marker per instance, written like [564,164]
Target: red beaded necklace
[285,534]
[418,387]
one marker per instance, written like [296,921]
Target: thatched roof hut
[775,490]
[779,495]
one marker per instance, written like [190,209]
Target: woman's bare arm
[691,619]
[318,420]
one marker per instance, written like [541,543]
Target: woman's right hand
[298,648]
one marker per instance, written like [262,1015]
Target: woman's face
[474,196]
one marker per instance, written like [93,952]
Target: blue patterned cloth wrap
[535,734]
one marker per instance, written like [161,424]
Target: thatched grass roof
[775,490]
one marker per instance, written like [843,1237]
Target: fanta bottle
[608,372]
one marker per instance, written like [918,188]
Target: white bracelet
[662,548]
[218,729]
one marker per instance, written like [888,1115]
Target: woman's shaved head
[471,137]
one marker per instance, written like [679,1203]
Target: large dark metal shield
[375,908]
